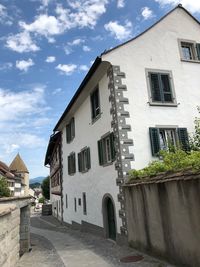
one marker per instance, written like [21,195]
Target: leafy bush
[41,200]
[178,160]
[45,188]
[195,137]
[4,190]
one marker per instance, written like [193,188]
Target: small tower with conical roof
[19,168]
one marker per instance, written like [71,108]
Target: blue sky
[47,47]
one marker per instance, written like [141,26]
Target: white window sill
[191,60]
[163,104]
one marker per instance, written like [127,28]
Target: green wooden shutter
[88,162]
[67,133]
[198,51]
[69,165]
[183,139]
[100,151]
[155,141]
[166,88]
[72,128]
[112,146]
[74,162]
[155,86]
[79,162]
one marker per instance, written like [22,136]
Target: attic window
[189,50]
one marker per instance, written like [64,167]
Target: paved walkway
[54,245]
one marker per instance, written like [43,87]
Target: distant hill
[35,185]
[38,179]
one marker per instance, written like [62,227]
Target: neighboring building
[136,99]
[53,159]
[15,182]
[19,168]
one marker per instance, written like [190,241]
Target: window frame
[84,163]
[96,116]
[160,72]
[193,44]
[71,160]
[104,151]
[70,131]
[180,134]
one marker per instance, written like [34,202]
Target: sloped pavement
[54,245]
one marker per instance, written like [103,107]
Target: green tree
[4,190]
[195,137]
[45,188]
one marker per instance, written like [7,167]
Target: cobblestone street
[58,246]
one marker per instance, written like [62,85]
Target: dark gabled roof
[53,140]
[84,82]
[132,39]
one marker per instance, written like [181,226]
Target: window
[75,207]
[161,87]
[66,204]
[70,131]
[95,104]
[106,149]
[84,161]
[189,50]
[84,204]
[72,164]
[165,139]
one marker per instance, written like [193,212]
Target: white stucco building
[136,99]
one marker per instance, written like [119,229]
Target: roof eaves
[81,87]
[53,139]
[132,39]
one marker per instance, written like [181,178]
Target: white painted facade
[98,180]
[157,49]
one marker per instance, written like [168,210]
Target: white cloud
[76,42]
[191,5]
[86,48]
[15,105]
[119,32]
[57,91]
[44,25]
[16,140]
[24,64]
[67,50]
[83,67]
[50,59]
[21,42]
[4,18]
[67,69]
[82,14]
[120,3]
[40,122]
[147,13]
[6,66]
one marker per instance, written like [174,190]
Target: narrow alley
[54,245]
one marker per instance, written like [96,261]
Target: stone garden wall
[14,229]
[163,217]
[9,235]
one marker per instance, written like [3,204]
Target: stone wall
[163,217]
[14,229]
[9,235]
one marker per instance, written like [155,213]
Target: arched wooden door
[111,219]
